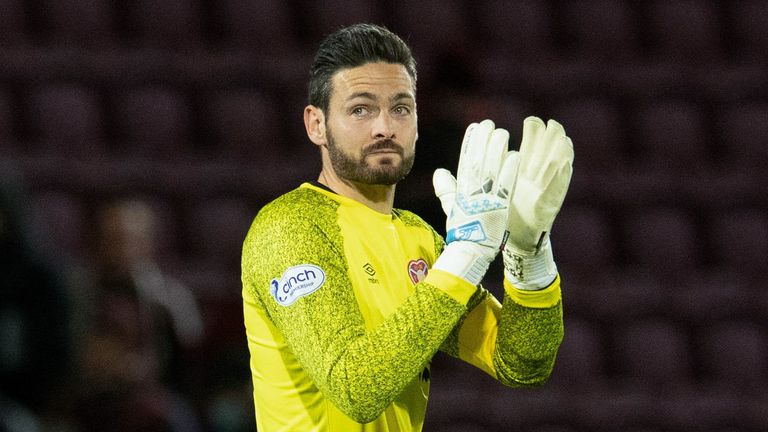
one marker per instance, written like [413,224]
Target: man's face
[371,125]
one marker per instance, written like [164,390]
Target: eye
[360,111]
[402,110]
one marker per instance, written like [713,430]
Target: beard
[388,171]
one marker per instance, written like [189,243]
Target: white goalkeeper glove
[546,164]
[476,201]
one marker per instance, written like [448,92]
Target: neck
[377,197]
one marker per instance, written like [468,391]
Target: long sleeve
[515,342]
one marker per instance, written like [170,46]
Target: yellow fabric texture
[351,353]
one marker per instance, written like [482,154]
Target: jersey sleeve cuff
[539,299]
[454,286]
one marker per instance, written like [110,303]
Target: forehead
[380,78]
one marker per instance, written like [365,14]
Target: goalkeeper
[346,299]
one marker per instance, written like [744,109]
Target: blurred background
[139,139]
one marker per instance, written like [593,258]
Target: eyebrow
[371,96]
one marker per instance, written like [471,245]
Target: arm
[515,343]
[360,372]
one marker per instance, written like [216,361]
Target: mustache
[384,144]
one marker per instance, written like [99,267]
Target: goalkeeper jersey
[343,314]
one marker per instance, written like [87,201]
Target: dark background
[196,107]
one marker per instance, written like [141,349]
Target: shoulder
[410,218]
[294,216]
[296,208]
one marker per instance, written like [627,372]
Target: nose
[383,126]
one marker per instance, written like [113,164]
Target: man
[347,299]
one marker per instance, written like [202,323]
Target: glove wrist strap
[464,259]
[530,270]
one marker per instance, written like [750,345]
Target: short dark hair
[354,46]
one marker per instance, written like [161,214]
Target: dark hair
[351,47]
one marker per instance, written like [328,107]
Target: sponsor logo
[472,231]
[296,282]
[417,270]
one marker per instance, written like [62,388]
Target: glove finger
[553,197]
[445,188]
[554,131]
[494,155]
[469,174]
[464,161]
[508,175]
[530,151]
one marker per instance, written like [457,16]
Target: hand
[477,201]
[546,165]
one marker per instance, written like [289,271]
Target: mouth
[387,147]
[384,151]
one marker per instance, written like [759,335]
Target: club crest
[417,270]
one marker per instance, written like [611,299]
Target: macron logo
[297,282]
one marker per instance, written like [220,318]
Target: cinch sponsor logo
[296,282]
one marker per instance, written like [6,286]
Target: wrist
[465,259]
[530,270]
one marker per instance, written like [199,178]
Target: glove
[546,164]
[476,202]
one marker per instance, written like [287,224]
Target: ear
[314,123]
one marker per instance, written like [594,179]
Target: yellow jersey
[343,314]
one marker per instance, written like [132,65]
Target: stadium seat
[750,19]
[431,25]
[152,121]
[79,23]
[717,294]
[742,130]
[514,28]
[245,123]
[712,410]
[604,30]
[327,17]
[266,26]
[626,293]
[215,230]
[579,367]
[595,126]
[582,239]
[652,354]
[735,356]
[671,135]
[739,239]
[7,113]
[662,240]
[67,118]
[12,21]
[176,23]
[684,29]
[60,221]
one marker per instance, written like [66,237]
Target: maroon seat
[176,23]
[152,121]
[67,118]
[684,29]
[653,354]
[601,29]
[662,240]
